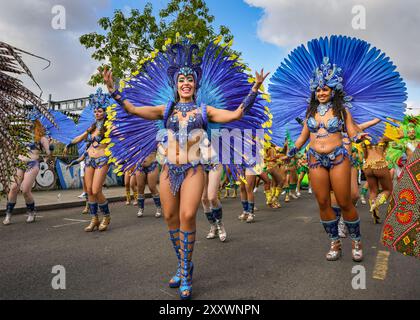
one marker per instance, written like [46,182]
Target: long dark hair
[337,101]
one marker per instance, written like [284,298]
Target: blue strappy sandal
[175,281]
[187,267]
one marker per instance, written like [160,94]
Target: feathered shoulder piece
[14,124]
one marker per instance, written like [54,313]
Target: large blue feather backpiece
[223,85]
[87,118]
[373,87]
[61,132]
[131,138]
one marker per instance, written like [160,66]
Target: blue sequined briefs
[96,163]
[146,170]
[177,173]
[327,160]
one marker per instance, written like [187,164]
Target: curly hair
[338,107]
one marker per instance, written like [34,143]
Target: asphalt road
[280,256]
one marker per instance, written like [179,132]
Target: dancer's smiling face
[99,113]
[186,86]
[411,133]
[323,94]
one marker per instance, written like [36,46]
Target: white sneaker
[7,219]
[83,195]
[255,189]
[158,213]
[243,216]
[341,228]
[213,231]
[310,190]
[293,195]
[31,217]
[298,193]
[140,213]
[250,218]
[221,231]
[362,199]
[283,193]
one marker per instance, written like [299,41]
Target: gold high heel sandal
[105,223]
[94,224]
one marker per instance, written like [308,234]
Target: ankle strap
[172,232]
[186,234]
[173,237]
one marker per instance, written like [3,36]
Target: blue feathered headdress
[183,60]
[100,100]
[327,75]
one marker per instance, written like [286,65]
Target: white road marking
[78,220]
[167,293]
[75,221]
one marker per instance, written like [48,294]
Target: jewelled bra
[333,125]
[182,128]
[97,139]
[90,139]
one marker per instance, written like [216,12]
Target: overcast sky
[26,24]
[265,31]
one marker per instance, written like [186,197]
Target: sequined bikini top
[333,125]
[90,139]
[182,127]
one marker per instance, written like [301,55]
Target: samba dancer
[334,102]
[189,87]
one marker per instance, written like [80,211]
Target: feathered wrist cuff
[249,101]
[292,152]
[121,99]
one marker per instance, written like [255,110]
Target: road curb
[65,205]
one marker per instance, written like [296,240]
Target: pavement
[279,256]
[60,199]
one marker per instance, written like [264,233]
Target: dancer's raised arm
[223,116]
[146,112]
[368,124]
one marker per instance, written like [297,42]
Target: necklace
[99,124]
[323,108]
[185,107]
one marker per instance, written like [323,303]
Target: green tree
[127,40]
